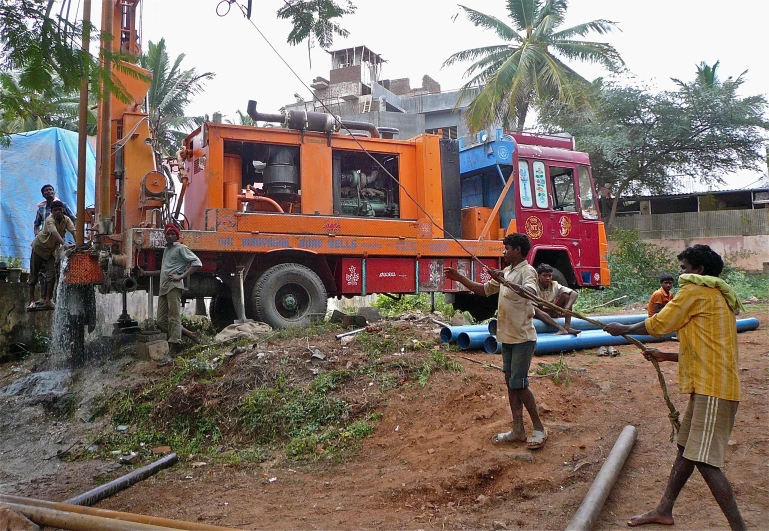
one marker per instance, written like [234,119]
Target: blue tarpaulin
[48,156]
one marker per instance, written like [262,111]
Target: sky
[658,39]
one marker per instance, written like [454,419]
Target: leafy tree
[28,110]
[171,90]
[42,48]
[527,68]
[313,21]
[642,142]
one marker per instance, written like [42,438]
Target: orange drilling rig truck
[287,215]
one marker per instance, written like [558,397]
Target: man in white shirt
[515,330]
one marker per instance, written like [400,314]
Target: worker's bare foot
[49,305]
[31,305]
[562,332]
[574,331]
[652,517]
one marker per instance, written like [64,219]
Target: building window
[444,132]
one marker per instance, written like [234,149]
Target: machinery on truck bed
[284,217]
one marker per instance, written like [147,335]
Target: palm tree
[526,69]
[171,90]
[706,74]
[24,109]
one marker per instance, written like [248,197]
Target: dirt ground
[431,463]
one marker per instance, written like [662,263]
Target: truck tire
[288,295]
[481,308]
[221,310]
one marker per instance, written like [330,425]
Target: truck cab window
[562,181]
[587,198]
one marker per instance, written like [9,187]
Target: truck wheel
[222,312]
[481,308]
[288,295]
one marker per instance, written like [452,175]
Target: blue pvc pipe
[449,334]
[548,343]
[579,324]
[472,340]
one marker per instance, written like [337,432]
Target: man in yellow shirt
[515,330]
[703,315]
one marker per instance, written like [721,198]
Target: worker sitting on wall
[179,262]
[662,296]
[43,257]
[553,292]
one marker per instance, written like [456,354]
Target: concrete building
[355,90]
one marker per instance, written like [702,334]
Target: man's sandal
[537,439]
[505,437]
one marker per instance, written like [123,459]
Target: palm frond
[591,52]
[482,20]
[523,13]
[600,26]
[474,53]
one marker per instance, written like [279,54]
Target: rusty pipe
[79,522]
[105,119]
[260,198]
[82,136]
[131,520]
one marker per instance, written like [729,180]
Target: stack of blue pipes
[483,336]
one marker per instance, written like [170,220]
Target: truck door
[565,225]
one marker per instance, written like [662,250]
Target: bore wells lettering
[342,244]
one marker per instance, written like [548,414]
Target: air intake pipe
[311,121]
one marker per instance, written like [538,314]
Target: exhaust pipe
[310,121]
[262,117]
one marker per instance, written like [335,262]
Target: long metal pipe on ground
[129,519]
[101,492]
[44,516]
[604,481]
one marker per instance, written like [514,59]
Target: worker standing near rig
[178,264]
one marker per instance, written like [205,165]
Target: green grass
[558,371]
[413,303]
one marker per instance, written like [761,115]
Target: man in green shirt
[179,262]
[43,257]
